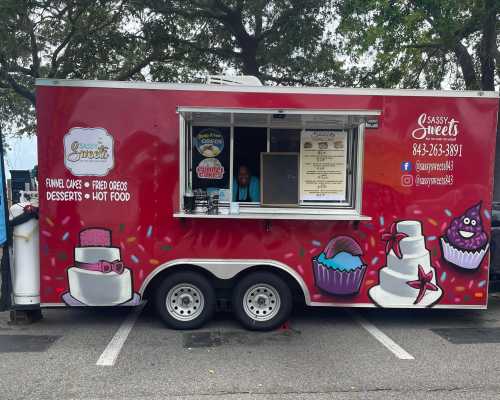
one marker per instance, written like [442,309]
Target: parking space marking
[390,344]
[112,350]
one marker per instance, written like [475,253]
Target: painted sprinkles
[65,220]
[134,258]
[150,231]
[381,219]
[372,241]
[65,236]
[49,221]
[432,221]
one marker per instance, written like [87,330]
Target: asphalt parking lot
[321,354]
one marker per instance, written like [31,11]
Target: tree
[280,41]
[84,39]
[423,43]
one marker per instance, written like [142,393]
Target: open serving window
[271,164]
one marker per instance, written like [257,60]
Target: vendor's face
[243,176]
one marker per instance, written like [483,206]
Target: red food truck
[189,193]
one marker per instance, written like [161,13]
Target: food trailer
[185,194]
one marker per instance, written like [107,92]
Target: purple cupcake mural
[465,243]
[339,269]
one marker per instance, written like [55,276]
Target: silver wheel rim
[185,302]
[261,302]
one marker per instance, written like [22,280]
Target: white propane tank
[25,266]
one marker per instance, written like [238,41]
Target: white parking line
[112,350]
[390,344]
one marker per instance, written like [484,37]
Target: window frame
[348,209]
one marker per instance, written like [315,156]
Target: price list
[323,157]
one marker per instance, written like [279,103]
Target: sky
[22,153]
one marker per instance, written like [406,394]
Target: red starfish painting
[423,283]
[392,239]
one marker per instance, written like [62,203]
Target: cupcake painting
[465,243]
[339,269]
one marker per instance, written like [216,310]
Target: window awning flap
[277,118]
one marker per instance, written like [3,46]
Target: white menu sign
[323,159]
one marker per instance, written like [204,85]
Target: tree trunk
[467,66]
[249,57]
[487,46]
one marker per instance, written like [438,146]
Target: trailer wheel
[185,300]
[262,301]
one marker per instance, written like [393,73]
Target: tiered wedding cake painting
[98,276]
[408,279]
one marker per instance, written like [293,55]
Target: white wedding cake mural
[408,279]
[99,276]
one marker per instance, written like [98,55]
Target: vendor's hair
[244,165]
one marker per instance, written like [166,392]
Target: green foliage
[421,43]
[280,41]
[381,43]
[79,39]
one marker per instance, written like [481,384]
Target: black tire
[267,280]
[195,281]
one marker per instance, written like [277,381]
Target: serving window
[273,162]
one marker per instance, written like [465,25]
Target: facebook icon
[406,166]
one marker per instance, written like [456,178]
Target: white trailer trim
[284,111]
[265,89]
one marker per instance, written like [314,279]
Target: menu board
[323,158]
[279,179]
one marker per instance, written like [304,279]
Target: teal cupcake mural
[339,269]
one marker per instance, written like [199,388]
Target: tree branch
[13,67]
[466,64]
[55,61]
[127,73]
[18,88]
[35,67]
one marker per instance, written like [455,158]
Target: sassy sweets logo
[435,127]
[88,151]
